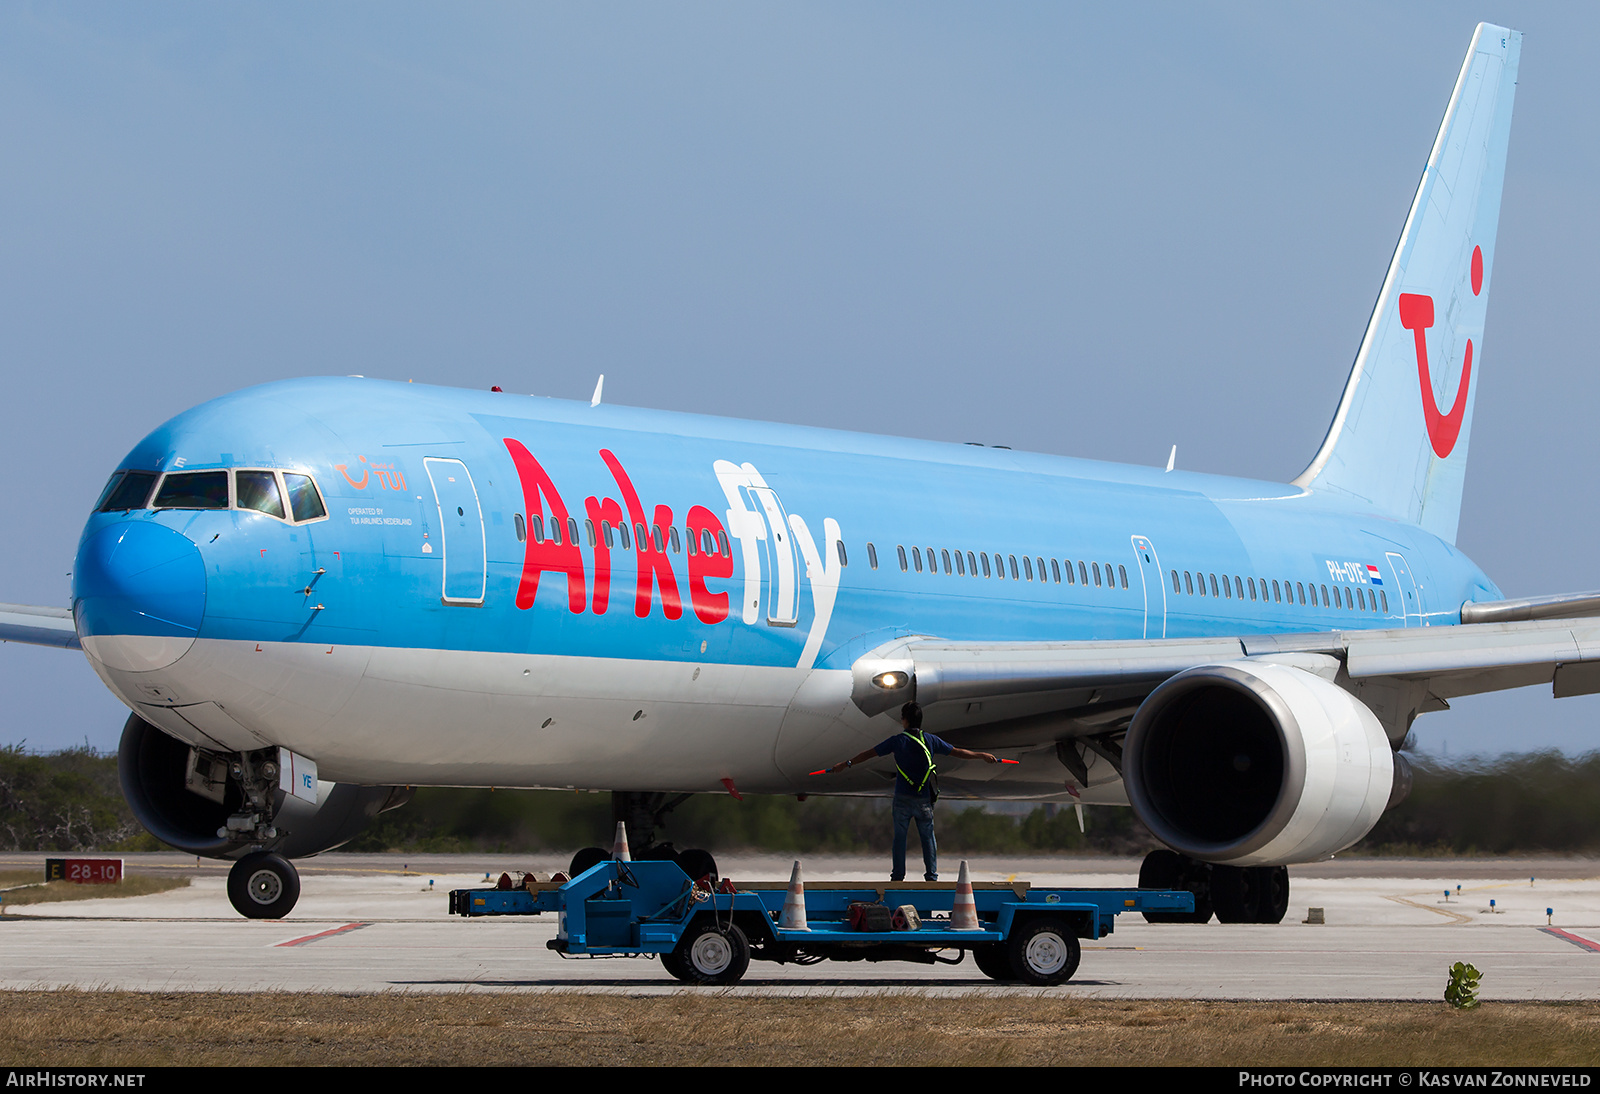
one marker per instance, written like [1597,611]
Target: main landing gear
[641,814]
[1235,894]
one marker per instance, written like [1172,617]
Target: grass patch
[695,1028]
[51,891]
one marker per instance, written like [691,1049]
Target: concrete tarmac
[372,923]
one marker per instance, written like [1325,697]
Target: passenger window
[961,565]
[1301,589]
[901,551]
[872,556]
[843,559]
[1361,599]
[999,567]
[658,539]
[1238,586]
[1083,574]
[555,531]
[916,558]
[1385,594]
[985,558]
[1096,567]
[1027,567]
[1190,584]
[1175,586]
[641,537]
[1325,603]
[258,490]
[1055,570]
[304,500]
[674,539]
[605,533]
[130,493]
[572,530]
[1014,575]
[1227,589]
[522,527]
[1122,574]
[194,490]
[1252,583]
[708,546]
[722,538]
[622,533]
[1040,561]
[538,529]
[972,564]
[1067,565]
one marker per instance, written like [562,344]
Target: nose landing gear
[263,885]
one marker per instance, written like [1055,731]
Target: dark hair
[911,714]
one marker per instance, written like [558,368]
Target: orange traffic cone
[793,917]
[964,913]
[619,846]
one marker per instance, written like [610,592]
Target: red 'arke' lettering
[542,554]
[709,607]
[599,513]
[652,561]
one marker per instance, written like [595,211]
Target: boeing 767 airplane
[313,595]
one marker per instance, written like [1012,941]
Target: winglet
[598,384]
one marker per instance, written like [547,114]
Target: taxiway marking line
[1454,917]
[324,934]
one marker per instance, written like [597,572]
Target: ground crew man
[916,785]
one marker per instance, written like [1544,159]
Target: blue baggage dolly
[1026,934]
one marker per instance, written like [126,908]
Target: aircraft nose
[139,594]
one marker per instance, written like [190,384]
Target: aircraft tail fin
[1399,437]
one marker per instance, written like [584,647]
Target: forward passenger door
[461,536]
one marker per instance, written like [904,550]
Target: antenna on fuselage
[598,384]
[1172,458]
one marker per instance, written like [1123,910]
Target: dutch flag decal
[1372,574]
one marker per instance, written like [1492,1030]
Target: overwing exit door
[461,538]
[783,586]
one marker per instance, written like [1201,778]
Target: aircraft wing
[38,626]
[1017,694]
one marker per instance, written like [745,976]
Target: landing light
[890,681]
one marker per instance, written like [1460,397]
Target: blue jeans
[920,810]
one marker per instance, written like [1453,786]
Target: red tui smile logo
[1416,316]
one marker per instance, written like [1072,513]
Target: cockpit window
[304,501]
[258,490]
[193,490]
[127,490]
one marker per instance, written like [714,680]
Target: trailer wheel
[709,954]
[992,961]
[1043,952]
[587,859]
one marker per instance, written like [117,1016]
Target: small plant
[1462,990]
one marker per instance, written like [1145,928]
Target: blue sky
[1091,232]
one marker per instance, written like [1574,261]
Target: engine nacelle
[152,767]
[1255,764]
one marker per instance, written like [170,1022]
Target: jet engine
[157,775]
[1251,764]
